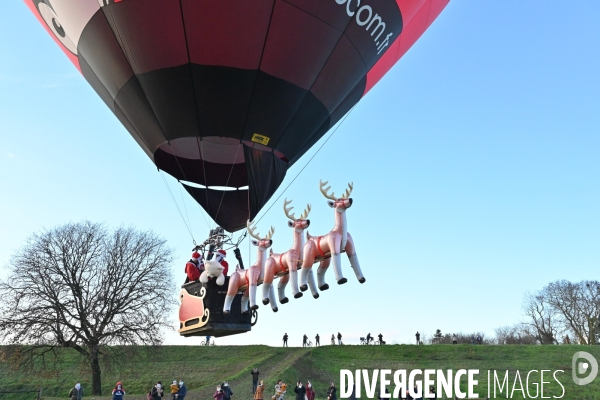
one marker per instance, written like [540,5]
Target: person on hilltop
[317,340]
[304,340]
[418,336]
[332,339]
[310,391]
[300,391]
[76,392]
[182,391]
[157,391]
[331,392]
[118,392]
[220,258]
[218,394]
[454,338]
[369,337]
[254,374]
[259,391]
[380,336]
[339,338]
[227,392]
[285,339]
[194,267]
[174,390]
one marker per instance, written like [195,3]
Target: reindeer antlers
[348,191]
[292,216]
[332,195]
[287,210]
[252,229]
[306,212]
[325,190]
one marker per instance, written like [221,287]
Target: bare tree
[542,320]
[515,334]
[578,305]
[85,287]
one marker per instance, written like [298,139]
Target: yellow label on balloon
[261,139]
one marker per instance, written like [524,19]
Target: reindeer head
[298,224]
[262,243]
[340,204]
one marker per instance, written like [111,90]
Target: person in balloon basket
[227,392]
[118,392]
[300,391]
[157,391]
[220,258]
[194,267]
[259,391]
[76,392]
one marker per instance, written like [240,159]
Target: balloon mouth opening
[221,188]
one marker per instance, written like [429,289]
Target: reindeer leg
[268,282]
[272,299]
[293,271]
[245,303]
[231,292]
[253,276]
[281,288]
[323,265]
[307,263]
[353,258]
[312,285]
[336,257]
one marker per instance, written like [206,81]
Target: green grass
[203,367]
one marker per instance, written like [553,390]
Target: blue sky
[475,164]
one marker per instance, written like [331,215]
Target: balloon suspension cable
[201,154]
[177,205]
[306,165]
[185,209]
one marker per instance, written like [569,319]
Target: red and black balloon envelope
[225,95]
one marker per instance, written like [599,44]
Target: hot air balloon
[225,95]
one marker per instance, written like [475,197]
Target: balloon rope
[176,205]
[306,165]
[185,208]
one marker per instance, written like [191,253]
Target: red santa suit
[220,258]
[194,267]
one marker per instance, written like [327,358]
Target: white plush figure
[213,269]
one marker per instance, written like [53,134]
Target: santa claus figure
[194,267]
[220,258]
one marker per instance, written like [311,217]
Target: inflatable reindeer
[246,280]
[285,265]
[326,248]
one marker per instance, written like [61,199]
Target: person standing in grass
[227,392]
[76,392]
[259,391]
[182,391]
[254,374]
[285,339]
[300,391]
[454,338]
[118,392]
[310,392]
[339,338]
[157,391]
[218,394]
[331,392]
[317,340]
[418,336]
[332,339]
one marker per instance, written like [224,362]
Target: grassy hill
[203,367]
